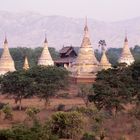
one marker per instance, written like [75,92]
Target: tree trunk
[20,106]
[46,103]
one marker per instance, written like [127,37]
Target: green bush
[24,132]
[88,136]
[66,124]
[32,112]
[7,110]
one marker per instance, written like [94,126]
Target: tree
[48,80]
[113,89]
[41,81]
[102,44]
[84,91]
[17,85]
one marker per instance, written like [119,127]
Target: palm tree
[102,44]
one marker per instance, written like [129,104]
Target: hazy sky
[106,10]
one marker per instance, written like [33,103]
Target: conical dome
[45,58]
[126,56]
[26,64]
[86,61]
[104,63]
[6,61]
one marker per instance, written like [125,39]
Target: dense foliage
[66,124]
[40,81]
[60,125]
[115,88]
[25,132]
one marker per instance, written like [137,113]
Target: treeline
[19,54]
[113,54]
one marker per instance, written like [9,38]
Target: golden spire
[126,55]
[86,39]
[5,41]
[45,41]
[86,62]
[6,61]
[45,58]
[104,63]
[26,64]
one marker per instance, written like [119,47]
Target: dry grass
[123,125]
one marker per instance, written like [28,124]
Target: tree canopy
[116,87]
[41,81]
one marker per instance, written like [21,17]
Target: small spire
[5,41]
[86,27]
[26,64]
[45,41]
[125,40]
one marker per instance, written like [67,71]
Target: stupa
[6,61]
[104,63]
[126,55]
[26,64]
[45,58]
[85,67]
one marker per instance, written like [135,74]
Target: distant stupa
[6,61]
[104,63]
[26,64]
[86,64]
[126,55]
[45,58]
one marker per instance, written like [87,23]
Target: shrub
[2,105]
[7,110]
[88,136]
[66,124]
[32,112]
[24,132]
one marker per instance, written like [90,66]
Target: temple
[26,64]
[6,61]
[67,55]
[126,55]
[45,58]
[104,63]
[86,65]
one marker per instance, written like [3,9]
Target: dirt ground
[20,116]
[123,125]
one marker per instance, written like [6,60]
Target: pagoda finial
[125,40]
[86,26]
[45,41]
[5,41]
